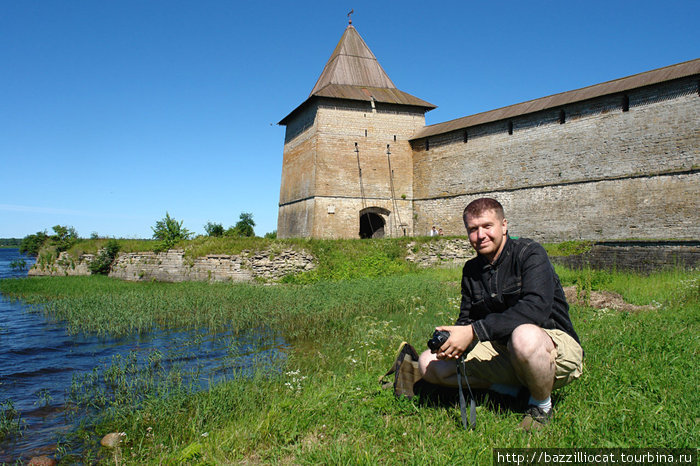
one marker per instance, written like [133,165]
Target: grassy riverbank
[639,388]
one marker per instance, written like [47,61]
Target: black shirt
[520,287]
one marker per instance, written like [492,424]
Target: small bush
[244,227]
[10,420]
[18,265]
[214,229]
[102,264]
[169,231]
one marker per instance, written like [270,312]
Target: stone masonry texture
[603,174]
[174,266]
[336,166]
[590,170]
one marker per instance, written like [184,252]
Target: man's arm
[461,334]
[466,303]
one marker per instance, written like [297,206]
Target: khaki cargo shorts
[490,361]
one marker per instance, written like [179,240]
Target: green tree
[271,235]
[64,237]
[214,229]
[244,227]
[169,231]
[31,244]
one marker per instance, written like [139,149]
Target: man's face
[487,233]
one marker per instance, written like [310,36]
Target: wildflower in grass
[295,384]
[454,302]
[205,434]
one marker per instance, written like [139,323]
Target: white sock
[545,405]
[504,389]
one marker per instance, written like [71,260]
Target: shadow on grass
[435,396]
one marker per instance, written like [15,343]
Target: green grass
[204,245]
[335,259]
[671,287]
[639,387]
[568,248]
[91,246]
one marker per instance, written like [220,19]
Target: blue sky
[114,112]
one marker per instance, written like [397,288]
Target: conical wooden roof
[352,63]
[353,72]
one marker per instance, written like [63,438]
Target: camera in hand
[438,339]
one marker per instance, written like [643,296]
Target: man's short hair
[481,205]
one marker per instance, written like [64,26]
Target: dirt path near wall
[604,300]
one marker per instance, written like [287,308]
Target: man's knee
[425,358]
[433,370]
[528,341]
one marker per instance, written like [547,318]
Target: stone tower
[347,169]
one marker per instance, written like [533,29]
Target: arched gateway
[372,222]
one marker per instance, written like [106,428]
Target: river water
[39,360]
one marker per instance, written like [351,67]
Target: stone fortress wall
[602,173]
[616,160]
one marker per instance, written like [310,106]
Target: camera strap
[461,372]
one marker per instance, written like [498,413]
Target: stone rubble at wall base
[266,266]
[442,253]
[173,266]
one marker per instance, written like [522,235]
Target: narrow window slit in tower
[466,136]
[510,127]
[365,133]
[427,144]
[394,138]
[625,103]
[562,117]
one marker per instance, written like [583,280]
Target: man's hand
[461,337]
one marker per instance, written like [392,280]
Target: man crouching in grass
[514,310]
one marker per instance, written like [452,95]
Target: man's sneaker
[535,418]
